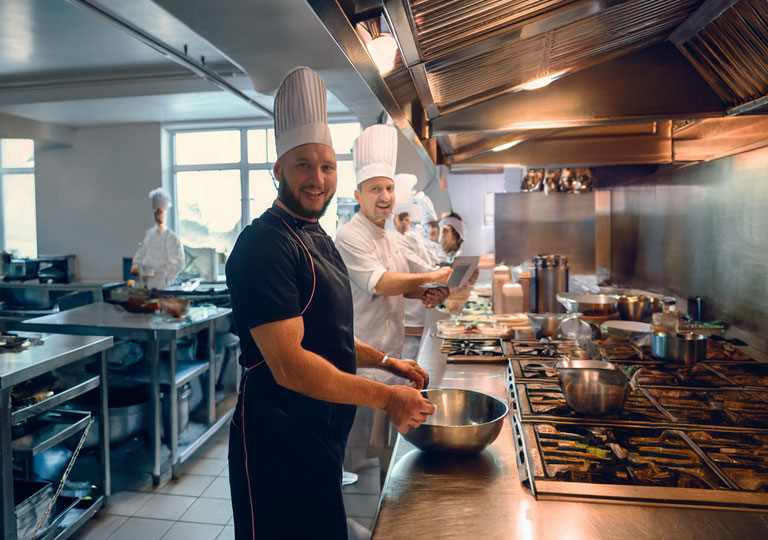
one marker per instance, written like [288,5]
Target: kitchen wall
[92,196]
[699,230]
[467,193]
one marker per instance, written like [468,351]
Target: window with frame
[222,180]
[18,223]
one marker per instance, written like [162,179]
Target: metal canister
[551,279]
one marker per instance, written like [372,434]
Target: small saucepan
[685,348]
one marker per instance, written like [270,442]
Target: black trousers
[284,479]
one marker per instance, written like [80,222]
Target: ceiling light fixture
[381,45]
[383,50]
[541,82]
[506,145]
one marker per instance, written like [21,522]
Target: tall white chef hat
[301,115]
[404,184]
[375,153]
[428,213]
[160,199]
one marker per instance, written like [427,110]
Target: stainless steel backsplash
[527,224]
[699,231]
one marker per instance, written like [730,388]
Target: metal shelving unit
[50,426]
[80,386]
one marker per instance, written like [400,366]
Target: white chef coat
[160,258]
[369,251]
[416,253]
[420,246]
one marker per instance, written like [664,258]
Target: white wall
[92,196]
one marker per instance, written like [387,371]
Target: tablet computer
[463,268]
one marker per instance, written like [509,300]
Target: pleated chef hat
[160,199]
[375,153]
[404,184]
[301,115]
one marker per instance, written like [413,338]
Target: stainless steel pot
[681,348]
[593,387]
[464,422]
[551,279]
[183,400]
[128,414]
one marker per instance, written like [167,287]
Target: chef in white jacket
[407,216]
[160,256]
[379,273]
[380,276]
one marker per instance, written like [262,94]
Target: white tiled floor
[197,506]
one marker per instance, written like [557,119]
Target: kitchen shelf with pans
[77,385]
[185,372]
[49,429]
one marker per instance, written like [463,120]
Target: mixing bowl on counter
[464,422]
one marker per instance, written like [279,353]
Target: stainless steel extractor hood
[458,85]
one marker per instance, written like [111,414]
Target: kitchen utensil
[637,307]
[551,279]
[129,413]
[625,329]
[732,341]
[593,387]
[464,422]
[548,324]
[681,348]
[588,304]
[183,407]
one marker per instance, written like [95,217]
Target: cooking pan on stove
[686,348]
[593,387]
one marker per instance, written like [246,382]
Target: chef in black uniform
[292,306]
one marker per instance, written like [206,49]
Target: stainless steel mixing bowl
[637,307]
[548,324]
[464,422]
[593,387]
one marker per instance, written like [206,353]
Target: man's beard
[294,204]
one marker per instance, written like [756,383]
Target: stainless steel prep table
[112,320]
[481,497]
[55,352]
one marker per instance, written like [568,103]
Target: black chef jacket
[280,268]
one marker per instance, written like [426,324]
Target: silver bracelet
[384,360]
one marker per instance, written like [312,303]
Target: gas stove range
[687,436]
[474,350]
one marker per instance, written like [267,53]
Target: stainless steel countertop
[110,319]
[456,497]
[71,286]
[57,350]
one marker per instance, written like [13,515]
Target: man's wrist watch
[384,360]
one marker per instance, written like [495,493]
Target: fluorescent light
[383,49]
[507,145]
[541,82]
